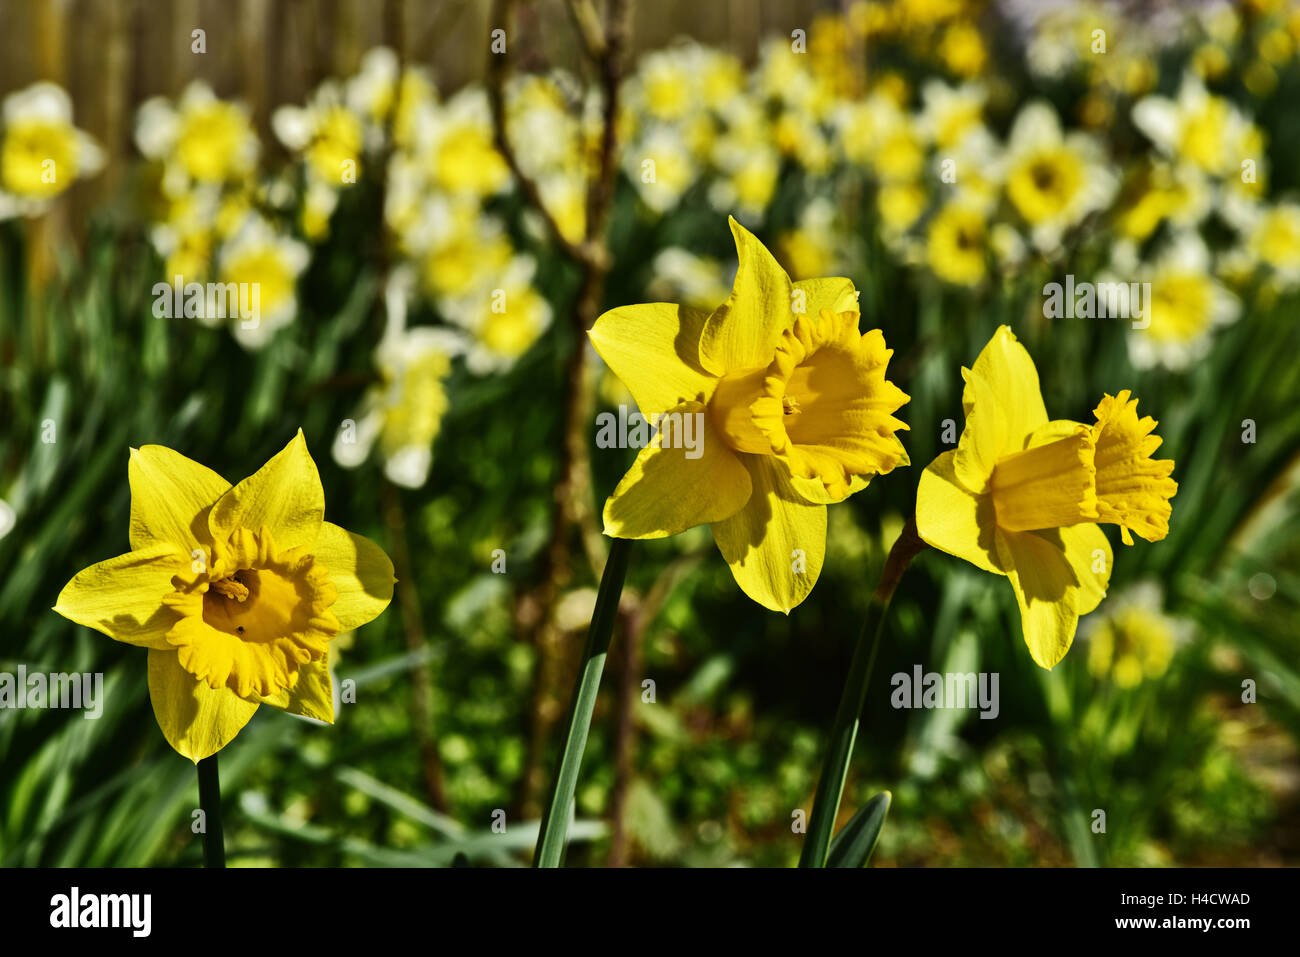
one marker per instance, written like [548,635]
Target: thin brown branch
[413,624]
[638,615]
[573,499]
[498,69]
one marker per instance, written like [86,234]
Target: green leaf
[852,847]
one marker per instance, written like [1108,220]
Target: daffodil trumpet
[844,732]
[555,821]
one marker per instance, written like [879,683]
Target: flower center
[823,404]
[1048,486]
[257,615]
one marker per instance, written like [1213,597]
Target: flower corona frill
[235,590]
[1024,497]
[795,410]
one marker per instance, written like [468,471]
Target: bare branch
[503,17]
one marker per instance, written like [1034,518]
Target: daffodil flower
[795,413]
[235,590]
[1023,496]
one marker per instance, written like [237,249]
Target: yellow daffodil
[790,411]
[235,590]
[1022,496]
[956,247]
[1133,640]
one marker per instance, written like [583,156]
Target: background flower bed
[833,157]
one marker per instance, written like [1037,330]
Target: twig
[572,505]
[413,624]
[639,615]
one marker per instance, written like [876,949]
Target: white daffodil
[504,317]
[402,413]
[267,264]
[1053,179]
[41,152]
[1202,129]
[326,132]
[1185,305]
[199,139]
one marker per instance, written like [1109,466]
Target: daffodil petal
[834,293]
[312,694]
[666,491]
[122,597]
[984,440]
[285,495]
[1013,378]
[776,543]
[955,520]
[1049,432]
[360,571]
[196,720]
[1045,587]
[1089,555]
[170,498]
[654,349]
[743,332]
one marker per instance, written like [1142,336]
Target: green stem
[214,843]
[835,770]
[555,822]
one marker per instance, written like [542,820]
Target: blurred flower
[326,132]
[503,322]
[948,113]
[956,248]
[962,50]
[270,262]
[1160,192]
[1186,304]
[236,592]
[661,167]
[793,413]
[1053,179]
[41,152]
[1021,496]
[460,155]
[404,412]
[1274,241]
[1132,640]
[199,139]
[1199,128]
[691,280]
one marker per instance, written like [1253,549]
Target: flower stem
[835,770]
[555,822]
[214,842]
